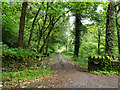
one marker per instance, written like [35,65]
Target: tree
[109,30]
[78,25]
[33,24]
[22,24]
[55,15]
[41,30]
[81,11]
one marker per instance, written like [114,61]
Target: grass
[84,62]
[25,74]
[51,59]
[78,61]
[81,61]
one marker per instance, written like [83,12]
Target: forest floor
[69,75]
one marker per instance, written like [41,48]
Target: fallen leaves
[21,83]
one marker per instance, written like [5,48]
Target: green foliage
[104,61]
[10,23]
[67,56]
[19,59]
[82,61]
[105,72]
[25,74]
[63,34]
[17,53]
[76,60]
[19,77]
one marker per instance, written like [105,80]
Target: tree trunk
[31,31]
[77,34]
[66,48]
[38,44]
[109,31]
[99,32]
[46,39]
[41,30]
[22,24]
[40,35]
[47,45]
[52,26]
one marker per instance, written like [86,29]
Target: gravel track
[68,75]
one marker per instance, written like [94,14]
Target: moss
[104,62]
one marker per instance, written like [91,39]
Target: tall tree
[77,32]
[81,11]
[22,24]
[109,30]
[41,30]
[33,24]
[50,30]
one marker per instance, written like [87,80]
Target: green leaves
[104,61]
[105,72]
[22,76]
[18,59]
[18,52]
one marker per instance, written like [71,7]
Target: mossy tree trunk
[78,25]
[109,31]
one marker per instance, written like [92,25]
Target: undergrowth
[105,72]
[78,61]
[25,74]
[84,62]
[9,79]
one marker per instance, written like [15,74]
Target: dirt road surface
[68,75]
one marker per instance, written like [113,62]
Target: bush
[102,62]
[75,58]
[17,58]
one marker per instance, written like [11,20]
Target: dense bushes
[19,59]
[99,63]
[102,63]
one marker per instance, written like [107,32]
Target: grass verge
[25,74]
[78,61]
[84,62]
[23,78]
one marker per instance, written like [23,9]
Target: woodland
[33,32]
